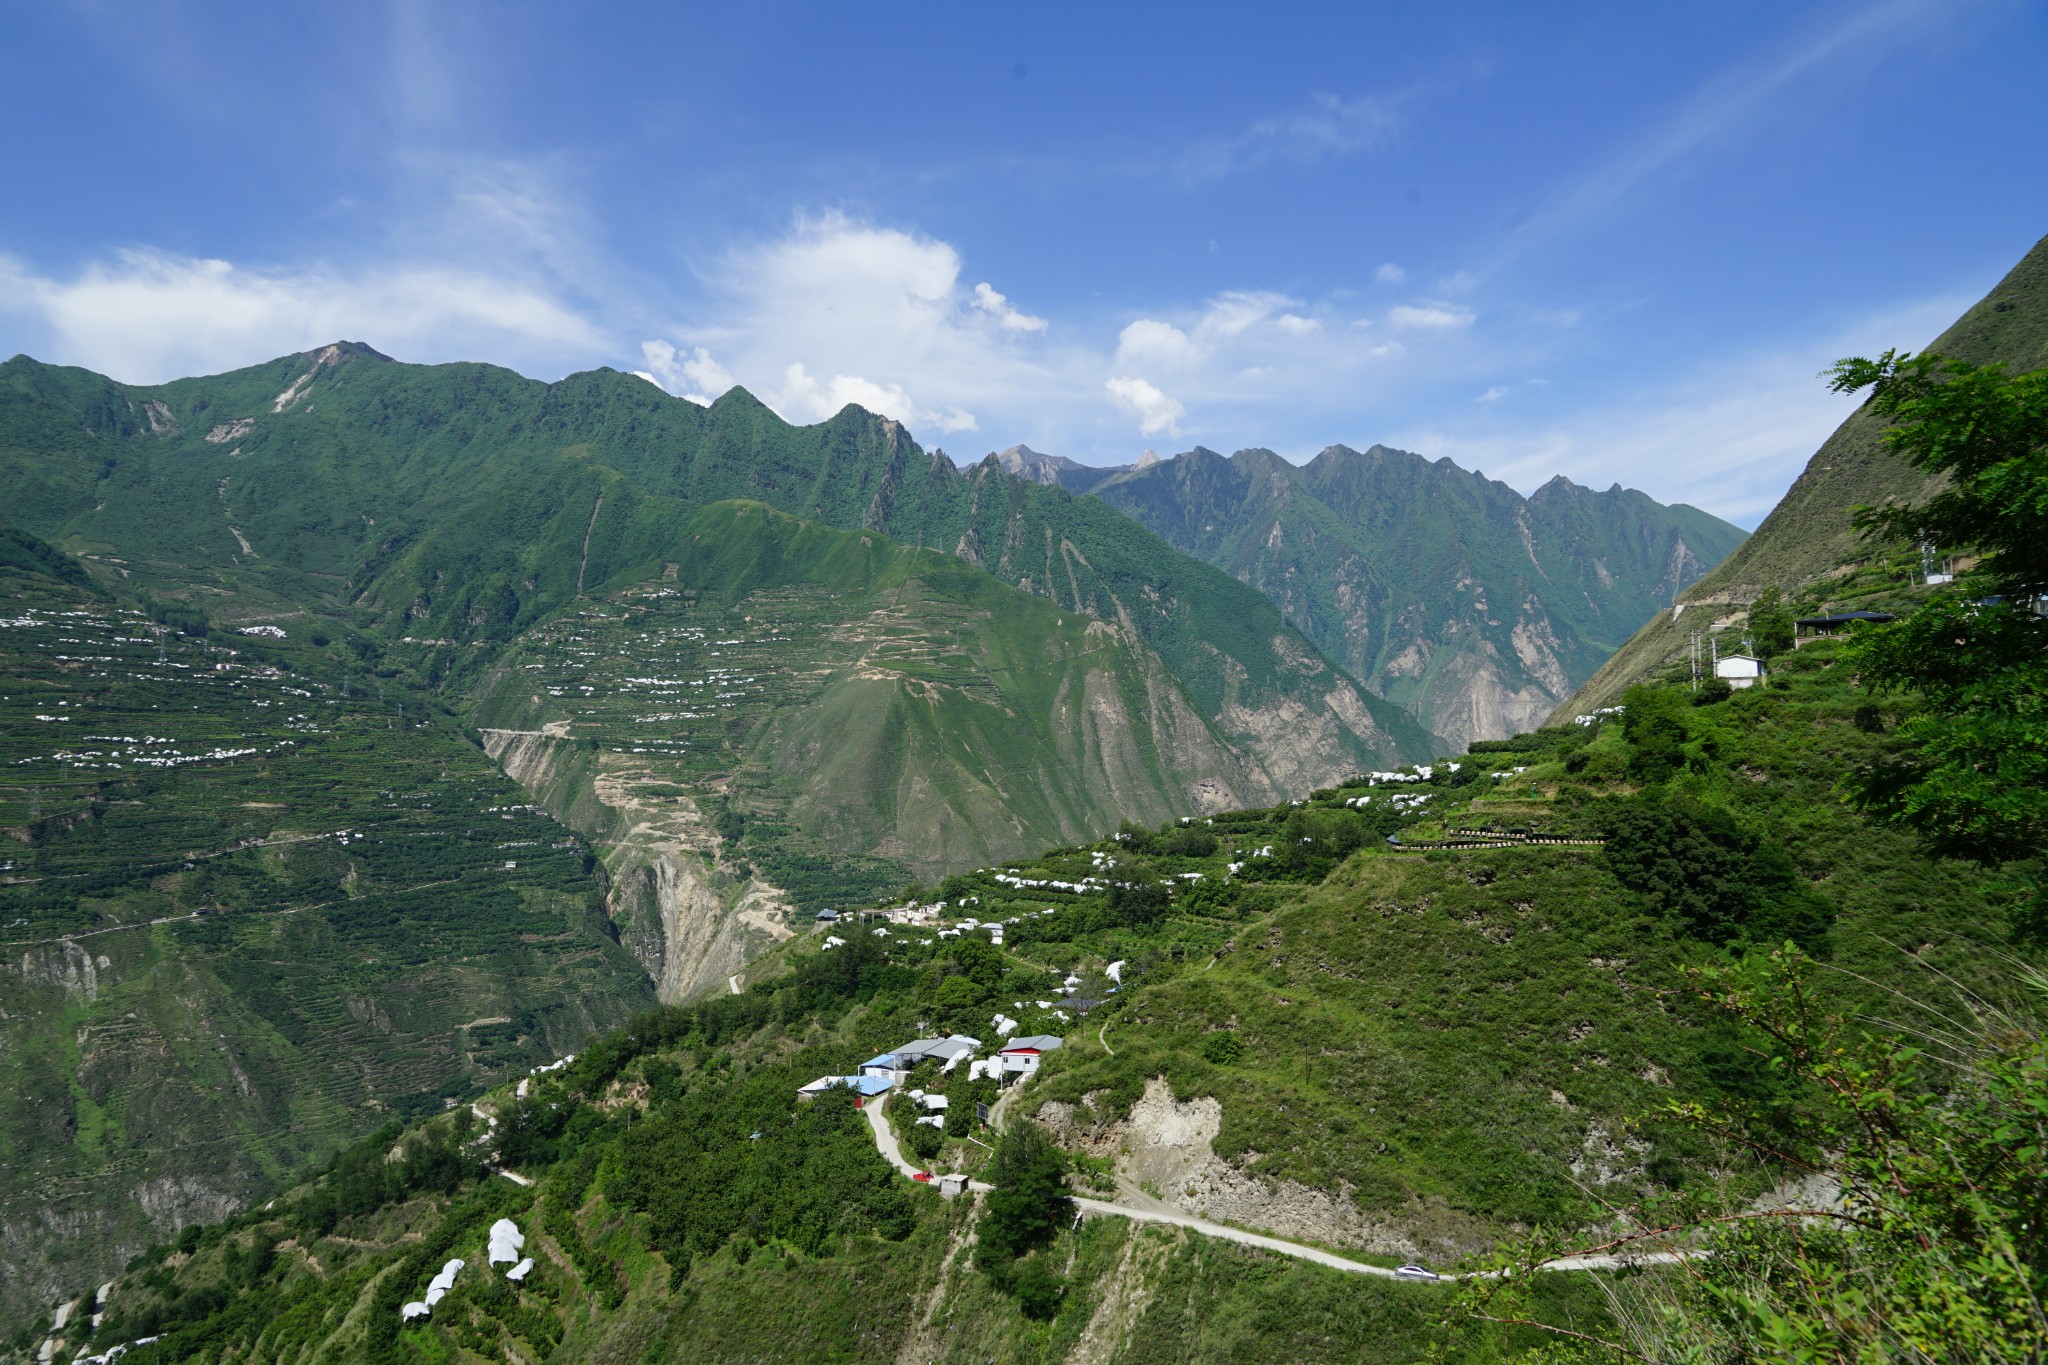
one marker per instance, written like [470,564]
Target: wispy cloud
[1157,413]
[1729,435]
[690,374]
[1327,126]
[1431,317]
[998,307]
[1737,100]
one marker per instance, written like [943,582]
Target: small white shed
[1739,670]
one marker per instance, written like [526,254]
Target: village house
[1020,1056]
[1739,670]
[1811,628]
[864,1087]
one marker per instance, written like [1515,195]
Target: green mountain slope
[448,546]
[833,712]
[335,469]
[1475,608]
[245,918]
[1807,545]
[1319,1035]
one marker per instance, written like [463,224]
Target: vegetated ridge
[439,512]
[1806,546]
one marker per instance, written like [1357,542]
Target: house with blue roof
[864,1087]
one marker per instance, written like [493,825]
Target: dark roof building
[1837,620]
[945,1049]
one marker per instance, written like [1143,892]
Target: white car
[1415,1270]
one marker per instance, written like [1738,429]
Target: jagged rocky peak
[1034,465]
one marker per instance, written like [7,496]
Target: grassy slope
[207,988]
[1492,1017]
[1807,537]
[613,1284]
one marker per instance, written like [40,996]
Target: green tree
[1712,692]
[981,961]
[1702,866]
[1040,1289]
[1970,770]
[960,1113]
[1654,726]
[1029,1203]
[958,1003]
[924,1141]
[1770,624]
[1986,433]
[1138,904]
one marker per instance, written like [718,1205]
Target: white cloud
[840,311]
[691,374]
[1150,341]
[819,401]
[1493,395]
[1389,273]
[1431,317]
[1155,411]
[147,316]
[995,305]
[1228,318]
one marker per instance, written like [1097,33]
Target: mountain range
[742,669]
[376,732]
[1406,1017]
[1473,607]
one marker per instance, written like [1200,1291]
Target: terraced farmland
[807,716]
[242,917]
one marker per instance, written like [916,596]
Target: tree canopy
[1972,774]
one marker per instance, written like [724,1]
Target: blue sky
[1614,241]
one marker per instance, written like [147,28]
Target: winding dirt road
[885,1143]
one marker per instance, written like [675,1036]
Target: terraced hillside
[1807,547]
[246,916]
[786,714]
[423,519]
[1412,1015]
